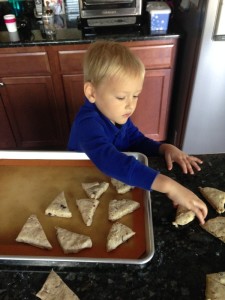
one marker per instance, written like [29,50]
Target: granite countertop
[183,256]
[31,33]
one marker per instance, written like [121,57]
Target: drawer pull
[1,84]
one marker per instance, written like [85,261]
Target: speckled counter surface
[183,256]
[71,36]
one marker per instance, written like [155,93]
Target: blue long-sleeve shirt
[104,142]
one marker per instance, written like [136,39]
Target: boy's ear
[89,91]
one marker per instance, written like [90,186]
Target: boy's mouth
[127,115]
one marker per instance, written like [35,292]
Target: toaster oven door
[106,2]
[109,8]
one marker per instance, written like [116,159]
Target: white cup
[10,22]
[14,36]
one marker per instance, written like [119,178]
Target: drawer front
[13,64]
[71,61]
[157,56]
[153,57]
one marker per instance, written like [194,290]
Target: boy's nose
[129,102]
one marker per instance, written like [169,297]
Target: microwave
[103,13]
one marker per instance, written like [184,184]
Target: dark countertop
[30,31]
[183,256]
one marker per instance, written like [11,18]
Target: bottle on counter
[17,7]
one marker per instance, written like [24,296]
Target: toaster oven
[103,13]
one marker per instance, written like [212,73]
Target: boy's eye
[124,97]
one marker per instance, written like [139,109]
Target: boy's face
[116,98]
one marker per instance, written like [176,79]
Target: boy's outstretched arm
[180,195]
[173,154]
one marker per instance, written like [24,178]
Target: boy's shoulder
[90,113]
[87,110]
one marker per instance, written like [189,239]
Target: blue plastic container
[159,14]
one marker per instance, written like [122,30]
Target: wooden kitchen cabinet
[74,92]
[29,103]
[7,140]
[152,112]
[71,70]
[41,90]
[29,99]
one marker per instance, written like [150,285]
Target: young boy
[113,80]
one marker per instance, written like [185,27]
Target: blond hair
[107,59]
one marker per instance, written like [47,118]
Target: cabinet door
[6,136]
[32,111]
[74,90]
[151,113]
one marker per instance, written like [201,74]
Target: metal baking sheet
[30,180]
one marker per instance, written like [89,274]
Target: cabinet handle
[1,84]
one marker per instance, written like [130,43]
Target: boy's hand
[180,195]
[173,154]
[188,199]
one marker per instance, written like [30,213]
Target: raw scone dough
[216,227]
[215,197]
[55,289]
[183,216]
[215,286]
[32,233]
[120,208]
[118,234]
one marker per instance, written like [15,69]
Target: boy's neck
[118,125]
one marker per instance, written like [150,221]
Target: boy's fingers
[169,162]
[201,212]
[200,216]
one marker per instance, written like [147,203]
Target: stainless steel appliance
[103,13]
[198,115]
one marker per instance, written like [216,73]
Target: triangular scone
[94,190]
[118,234]
[215,286]
[87,208]
[32,233]
[183,216]
[121,187]
[58,207]
[55,289]
[216,227]
[72,242]
[215,197]
[120,208]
